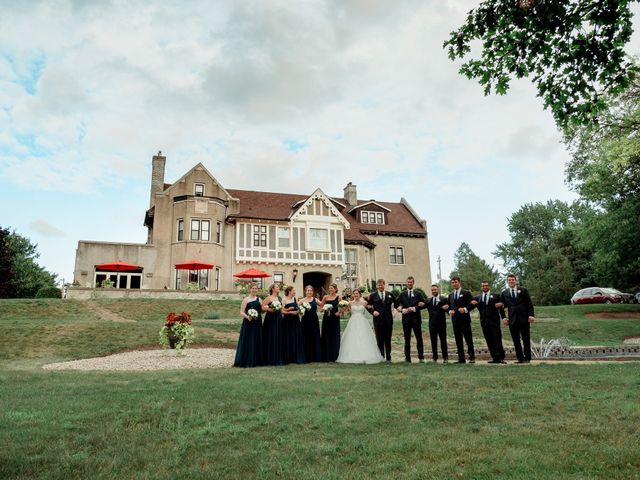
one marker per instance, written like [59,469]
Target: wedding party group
[291,330]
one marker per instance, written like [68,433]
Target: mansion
[306,239]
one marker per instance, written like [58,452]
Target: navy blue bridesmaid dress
[273,338]
[311,334]
[249,351]
[331,332]
[293,346]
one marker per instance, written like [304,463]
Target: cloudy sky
[271,95]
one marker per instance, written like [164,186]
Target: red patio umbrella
[194,265]
[118,266]
[252,273]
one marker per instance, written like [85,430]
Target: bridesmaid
[293,346]
[330,325]
[272,330]
[311,328]
[249,352]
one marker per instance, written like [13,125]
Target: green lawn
[312,421]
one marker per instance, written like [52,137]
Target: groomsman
[517,300]
[459,307]
[410,302]
[380,304]
[491,311]
[437,307]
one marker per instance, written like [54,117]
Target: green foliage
[544,251]
[24,277]
[396,292]
[106,283]
[605,172]
[472,270]
[573,50]
[7,271]
[49,292]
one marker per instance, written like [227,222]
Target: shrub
[49,292]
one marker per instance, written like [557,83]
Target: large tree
[544,251]
[472,269]
[7,289]
[25,276]
[605,172]
[573,50]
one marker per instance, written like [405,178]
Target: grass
[313,421]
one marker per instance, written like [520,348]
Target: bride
[358,343]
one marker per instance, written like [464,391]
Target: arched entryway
[320,282]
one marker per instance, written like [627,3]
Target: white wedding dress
[358,344]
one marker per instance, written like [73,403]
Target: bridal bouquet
[327,307]
[253,313]
[343,304]
[304,307]
[276,305]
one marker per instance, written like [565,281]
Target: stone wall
[113,293]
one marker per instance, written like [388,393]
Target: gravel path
[153,360]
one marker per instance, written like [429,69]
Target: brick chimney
[157,175]
[350,194]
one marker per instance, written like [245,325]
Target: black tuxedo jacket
[383,307]
[489,313]
[405,302]
[436,313]
[464,301]
[521,308]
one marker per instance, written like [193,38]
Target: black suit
[490,321]
[438,326]
[520,309]
[383,323]
[462,323]
[411,321]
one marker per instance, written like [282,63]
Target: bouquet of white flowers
[302,309]
[327,307]
[276,305]
[343,304]
[252,312]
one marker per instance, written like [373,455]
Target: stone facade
[298,239]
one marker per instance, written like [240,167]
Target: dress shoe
[461,361]
[472,360]
[502,362]
[493,361]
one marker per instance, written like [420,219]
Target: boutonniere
[519,291]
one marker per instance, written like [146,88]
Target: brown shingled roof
[279,206]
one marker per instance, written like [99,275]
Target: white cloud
[365,85]
[44,228]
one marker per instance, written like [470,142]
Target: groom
[380,304]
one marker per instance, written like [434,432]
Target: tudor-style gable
[317,208]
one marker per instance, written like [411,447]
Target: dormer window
[198,189]
[372,217]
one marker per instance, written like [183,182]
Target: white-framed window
[318,239]
[396,255]
[178,279]
[198,189]
[351,266]
[218,232]
[372,217]
[278,278]
[180,233]
[284,237]
[259,235]
[200,230]
[396,286]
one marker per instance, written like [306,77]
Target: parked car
[595,295]
[626,297]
